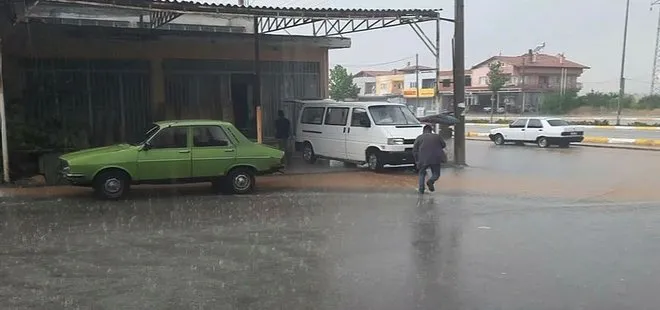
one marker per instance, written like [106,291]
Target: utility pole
[437,97]
[417,78]
[622,79]
[459,82]
[655,76]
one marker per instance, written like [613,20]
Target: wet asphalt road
[610,133]
[330,251]
[455,249]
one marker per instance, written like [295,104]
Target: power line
[377,64]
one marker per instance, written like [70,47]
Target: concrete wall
[361,83]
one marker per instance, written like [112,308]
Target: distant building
[530,76]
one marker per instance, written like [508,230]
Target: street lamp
[622,80]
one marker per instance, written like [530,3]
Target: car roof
[191,122]
[540,118]
[359,104]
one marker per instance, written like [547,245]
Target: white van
[378,133]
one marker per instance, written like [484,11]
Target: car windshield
[392,115]
[152,131]
[558,122]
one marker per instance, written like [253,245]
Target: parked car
[542,131]
[376,133]
[174,151]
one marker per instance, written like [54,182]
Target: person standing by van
[428,151]
[282,133]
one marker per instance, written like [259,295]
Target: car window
[359,118]
[312,115]
[557,122]
[519,123]
[336,116]
[534,123]
[170,138]
[209,136]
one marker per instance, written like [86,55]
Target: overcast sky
[588,31]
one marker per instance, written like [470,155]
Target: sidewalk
[468,180]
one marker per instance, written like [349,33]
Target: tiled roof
[373,73]
[206,7]
[542,60]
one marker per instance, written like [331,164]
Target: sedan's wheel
[374,161]
[241,181]
[113,184]
[542,142]
[499,139]
[308,153]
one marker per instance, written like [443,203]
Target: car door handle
[184,151]
[344,129]
[523,130]
[229,150]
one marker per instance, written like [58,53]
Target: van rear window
[312,115]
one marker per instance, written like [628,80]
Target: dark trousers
[284,146]
[435,175]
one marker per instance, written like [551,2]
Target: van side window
[312,115]
[336,116]
[359,118]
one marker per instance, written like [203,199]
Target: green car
[187,151]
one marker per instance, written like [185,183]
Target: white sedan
[539,130]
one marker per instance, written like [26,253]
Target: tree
[341,84]
[649,102]
[496,80]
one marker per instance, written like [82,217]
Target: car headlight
[395,141]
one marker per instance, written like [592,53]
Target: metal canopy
[324,22]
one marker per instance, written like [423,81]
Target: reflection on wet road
[330,251]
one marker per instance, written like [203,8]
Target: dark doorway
[241,97]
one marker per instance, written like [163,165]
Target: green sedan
[187,151]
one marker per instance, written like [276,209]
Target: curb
[598,140]
[595,145]
[646,128]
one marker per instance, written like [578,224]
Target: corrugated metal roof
[204,7]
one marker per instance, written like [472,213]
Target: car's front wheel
[374,160]
[498,139]
[241,181]
[111,184]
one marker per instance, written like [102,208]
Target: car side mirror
[146,146]
[223,143]
[510,125]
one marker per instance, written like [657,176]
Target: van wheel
[542,142]
[374,161]
[308,153]
[111,184]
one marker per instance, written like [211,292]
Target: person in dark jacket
[282,133]
[427,151]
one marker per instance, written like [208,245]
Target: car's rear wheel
[241,181]
[498,139]
[111,184]
[308,153]
[542,142]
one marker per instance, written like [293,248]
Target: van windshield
[392,115]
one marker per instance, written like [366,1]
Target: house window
[370,88]
[428,83]
[483,80]
[383,87]
[412,85]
